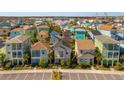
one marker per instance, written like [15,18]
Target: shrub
[56,75]
[84,65]
[43,63]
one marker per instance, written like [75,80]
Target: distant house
[84,50]
[30,31]
[2,46]
[43,35]
[66,36]
[109,48]
[16,47]
[43,27]
[16,32]
[54,37]
[61,52]
[105,29]
[79,34]
[39,51]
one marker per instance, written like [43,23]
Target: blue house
[54,37]
[39,51]
[79,34]
[16,32]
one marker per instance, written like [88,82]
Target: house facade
[39,51]
[16,47]
[61,52]
[109,48]
[84,50]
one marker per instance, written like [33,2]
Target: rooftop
[107,27]
[106,39]
[40,45]
[43,32]
[18,39]
[85,44]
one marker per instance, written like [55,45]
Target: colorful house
[39,51]
[105,29]
[30,31]
[43,27]
[43,35]
[16,32]
[84,50]
[79,34]
[54,37]
[61,52]
[109,48]
[16,47]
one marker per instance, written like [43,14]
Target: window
[110,54]
[14,54]
[66,53]
[19,54]
[35,53]
[61,53]
[116,55]
[19,46]
[8,52]
[81,51]
[13,46]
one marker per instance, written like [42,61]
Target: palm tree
[2,59]
[26,58]
[98,55]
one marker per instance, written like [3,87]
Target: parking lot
[64,76]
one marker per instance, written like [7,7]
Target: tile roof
[40,45]
[43,26]
[87,56]
[85,44]
[107,27]
[17,29]
[44,33]
[106,39]
[18,39]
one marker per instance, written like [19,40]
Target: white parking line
[103,76]
[95,76]
[25,76]
[43,76]
[51,76]
[69,76]
[122,76]
[34,76]
[78,76]
[8,76]
[1,75]
[86,76]
[112,77]
[16,77]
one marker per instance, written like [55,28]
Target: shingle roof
[85,44]
[40,45]
[106,39]
[87,56]
[44,33]
[18,39]
[107,27]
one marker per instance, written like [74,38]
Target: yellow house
[109,48]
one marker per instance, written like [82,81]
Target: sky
[61,13]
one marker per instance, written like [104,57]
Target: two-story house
[84,50]
[109,48]
[61,52]
[16,47]
[39,51]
